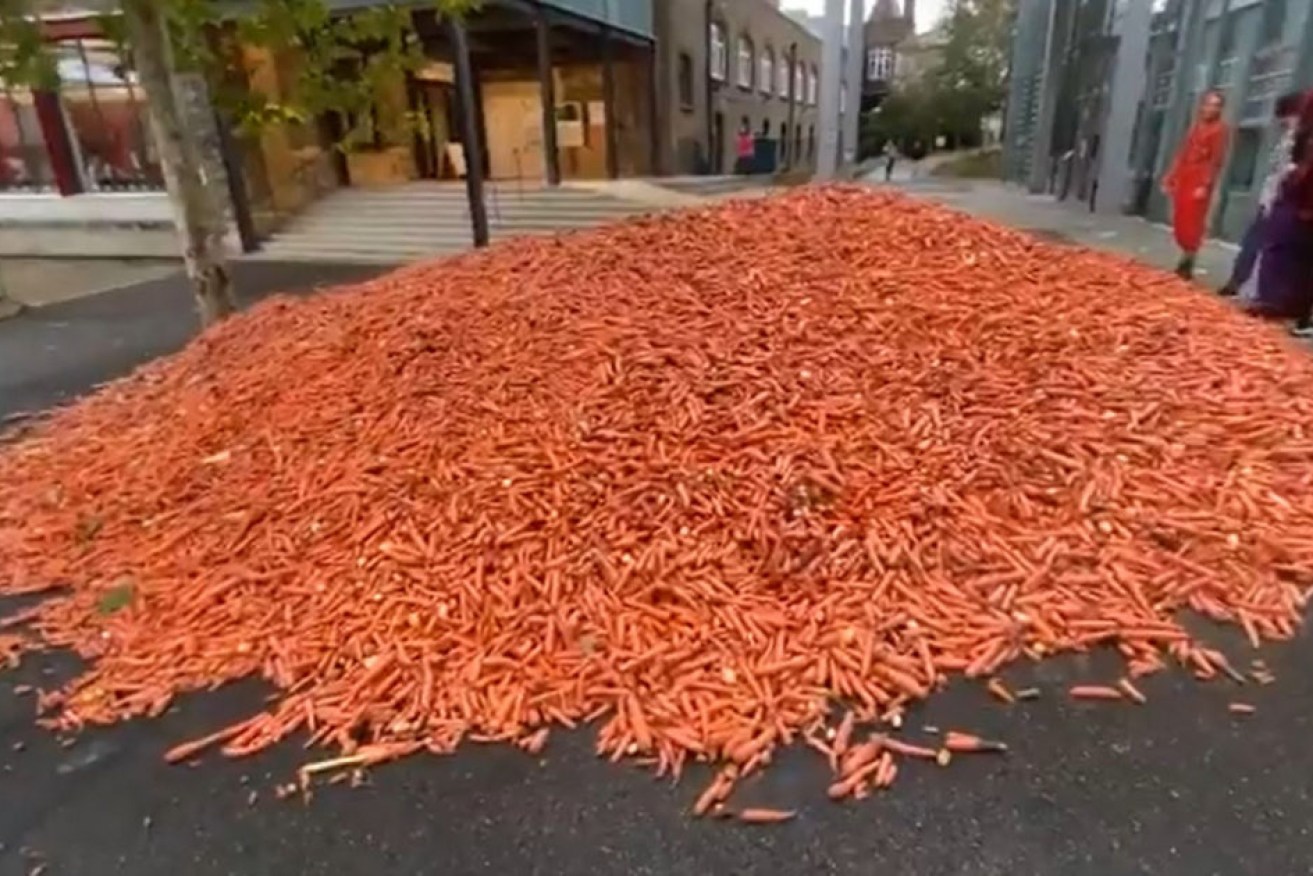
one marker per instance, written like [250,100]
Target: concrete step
[395,243]
[714,185]
[442,227]
[458,197]
[440,218]
[385,247]
[396,247]
[419,221]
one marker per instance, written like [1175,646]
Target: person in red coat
[1191,180]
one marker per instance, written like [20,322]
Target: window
[815,93]
[719,53]
[1244,159]
[106,115]
[782,75]
[745,62]
[767,77]
[1274,22]
[1224,73]
[23,159]
[686,80]
[880,64]
[799,84]
[843,98]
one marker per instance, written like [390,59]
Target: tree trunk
[199,215]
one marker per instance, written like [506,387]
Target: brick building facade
[724,64]
[890,37]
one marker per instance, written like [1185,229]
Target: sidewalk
[42,282]
[1068,222]
[52,354]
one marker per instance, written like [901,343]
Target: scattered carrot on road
[1095,692]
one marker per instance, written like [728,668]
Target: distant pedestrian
[747,149]
[1285,269]
[1190,182]
[1279,165]
[890,159]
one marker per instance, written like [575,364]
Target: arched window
[783,75]
[880,64]
[766,80]
[746,62]
[719,52]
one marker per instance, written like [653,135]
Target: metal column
[789,159]
[831,60]
[856,67]
[471,131]
[608,101]
[59,144]
[1115,172]
[1041,162]
[547,89]
[656,166]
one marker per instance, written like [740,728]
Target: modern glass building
[1103,90]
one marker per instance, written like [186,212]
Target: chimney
[909,12]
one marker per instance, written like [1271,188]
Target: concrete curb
[637,191]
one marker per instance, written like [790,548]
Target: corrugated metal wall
[1029,49]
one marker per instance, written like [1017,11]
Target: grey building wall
[1131,26]
[686,125]
[1250,50]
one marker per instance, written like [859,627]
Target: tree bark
[199,215]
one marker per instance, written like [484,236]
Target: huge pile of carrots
[694,478]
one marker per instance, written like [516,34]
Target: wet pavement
[1179,786]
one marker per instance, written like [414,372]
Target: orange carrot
[1094,692]
[956,741]
[766,816]
[1131,691]
[907,749]
[1000,691]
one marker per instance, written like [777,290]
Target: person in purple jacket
[1287,114]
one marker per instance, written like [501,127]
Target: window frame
[766,85]
[745,51]
[718,56]
[684,79]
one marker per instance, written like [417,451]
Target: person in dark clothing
[1285,271]
[1287,115]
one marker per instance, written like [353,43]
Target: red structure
[89,135]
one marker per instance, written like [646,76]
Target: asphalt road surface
[1179,786]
